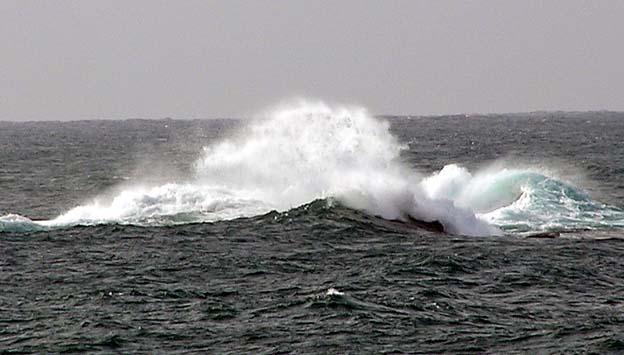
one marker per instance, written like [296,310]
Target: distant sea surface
[314,230]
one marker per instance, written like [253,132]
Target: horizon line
[385,115]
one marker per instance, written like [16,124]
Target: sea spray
[306,151]
[149,205]
[291,156]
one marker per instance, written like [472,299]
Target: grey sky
[186,59]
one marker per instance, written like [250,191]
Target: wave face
[16,223]
[309,151]
[549,204]
[522,200]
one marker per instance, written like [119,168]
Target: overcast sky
[205,59]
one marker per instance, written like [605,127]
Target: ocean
[314,229]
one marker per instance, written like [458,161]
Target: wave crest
[308,151]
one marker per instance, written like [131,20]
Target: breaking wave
[522,200]
[310,151]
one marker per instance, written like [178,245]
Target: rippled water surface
[320,277]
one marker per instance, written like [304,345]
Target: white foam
[144,205]
[546,203]
[486,190]
[305,151]
[15,223]
[308,150]
[333,292]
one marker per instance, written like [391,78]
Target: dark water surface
[320,278]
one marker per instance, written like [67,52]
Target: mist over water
[304,151]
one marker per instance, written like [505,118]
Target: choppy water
[294,234]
